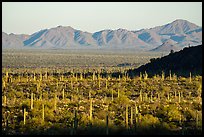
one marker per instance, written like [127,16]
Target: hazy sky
[30,17]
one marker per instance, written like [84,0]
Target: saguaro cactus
[140,76]
[4,84]
[180,119]
[146,97]
[93,75]
[168,96]
[71,84]
[43,112]
[163,75]
[62,77]
[158,96]
[179,99]
[34,77]
[5,100]
[190,78]
[63,94]
[46,75]
[197,118]
[90,110]
[126,116]
[170,75]
[112,94]
[140,117]
[151,100]
[31,101]
[7,76]
[140,95]
[118,93]
[24,116]
[89,94]
[55,102]
[98,75]
[145,76]
[106,84]
[131,116]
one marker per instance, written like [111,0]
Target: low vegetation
[67,93]
[77,102]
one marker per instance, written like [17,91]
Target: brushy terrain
[94,99]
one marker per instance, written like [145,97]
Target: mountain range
[175,35]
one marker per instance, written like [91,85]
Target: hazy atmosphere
[30,17]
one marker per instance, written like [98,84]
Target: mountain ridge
[180,63]
[65,37]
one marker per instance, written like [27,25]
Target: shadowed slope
[181,63]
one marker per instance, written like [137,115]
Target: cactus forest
[75,100]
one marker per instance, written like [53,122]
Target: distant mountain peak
[180,32]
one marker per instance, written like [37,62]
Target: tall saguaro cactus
[34,77]
[145,76]
[179,99]
[168,96]
[63,94]
[140,95]
[5,100]
[89,94]
[196,118]
[71,84]
[140,76]
[24,116]
[55,102]
[93,76]
[7,76]
[4,84]
[126,116]
[106,84]
[118,92]
[158,96]
[90,110]
[163,75]
[146,97]
[170,75]
[112,94]
[190,78]
[151,98]
[31,102]
[131,116]
[43,112]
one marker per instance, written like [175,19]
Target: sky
[30,17]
